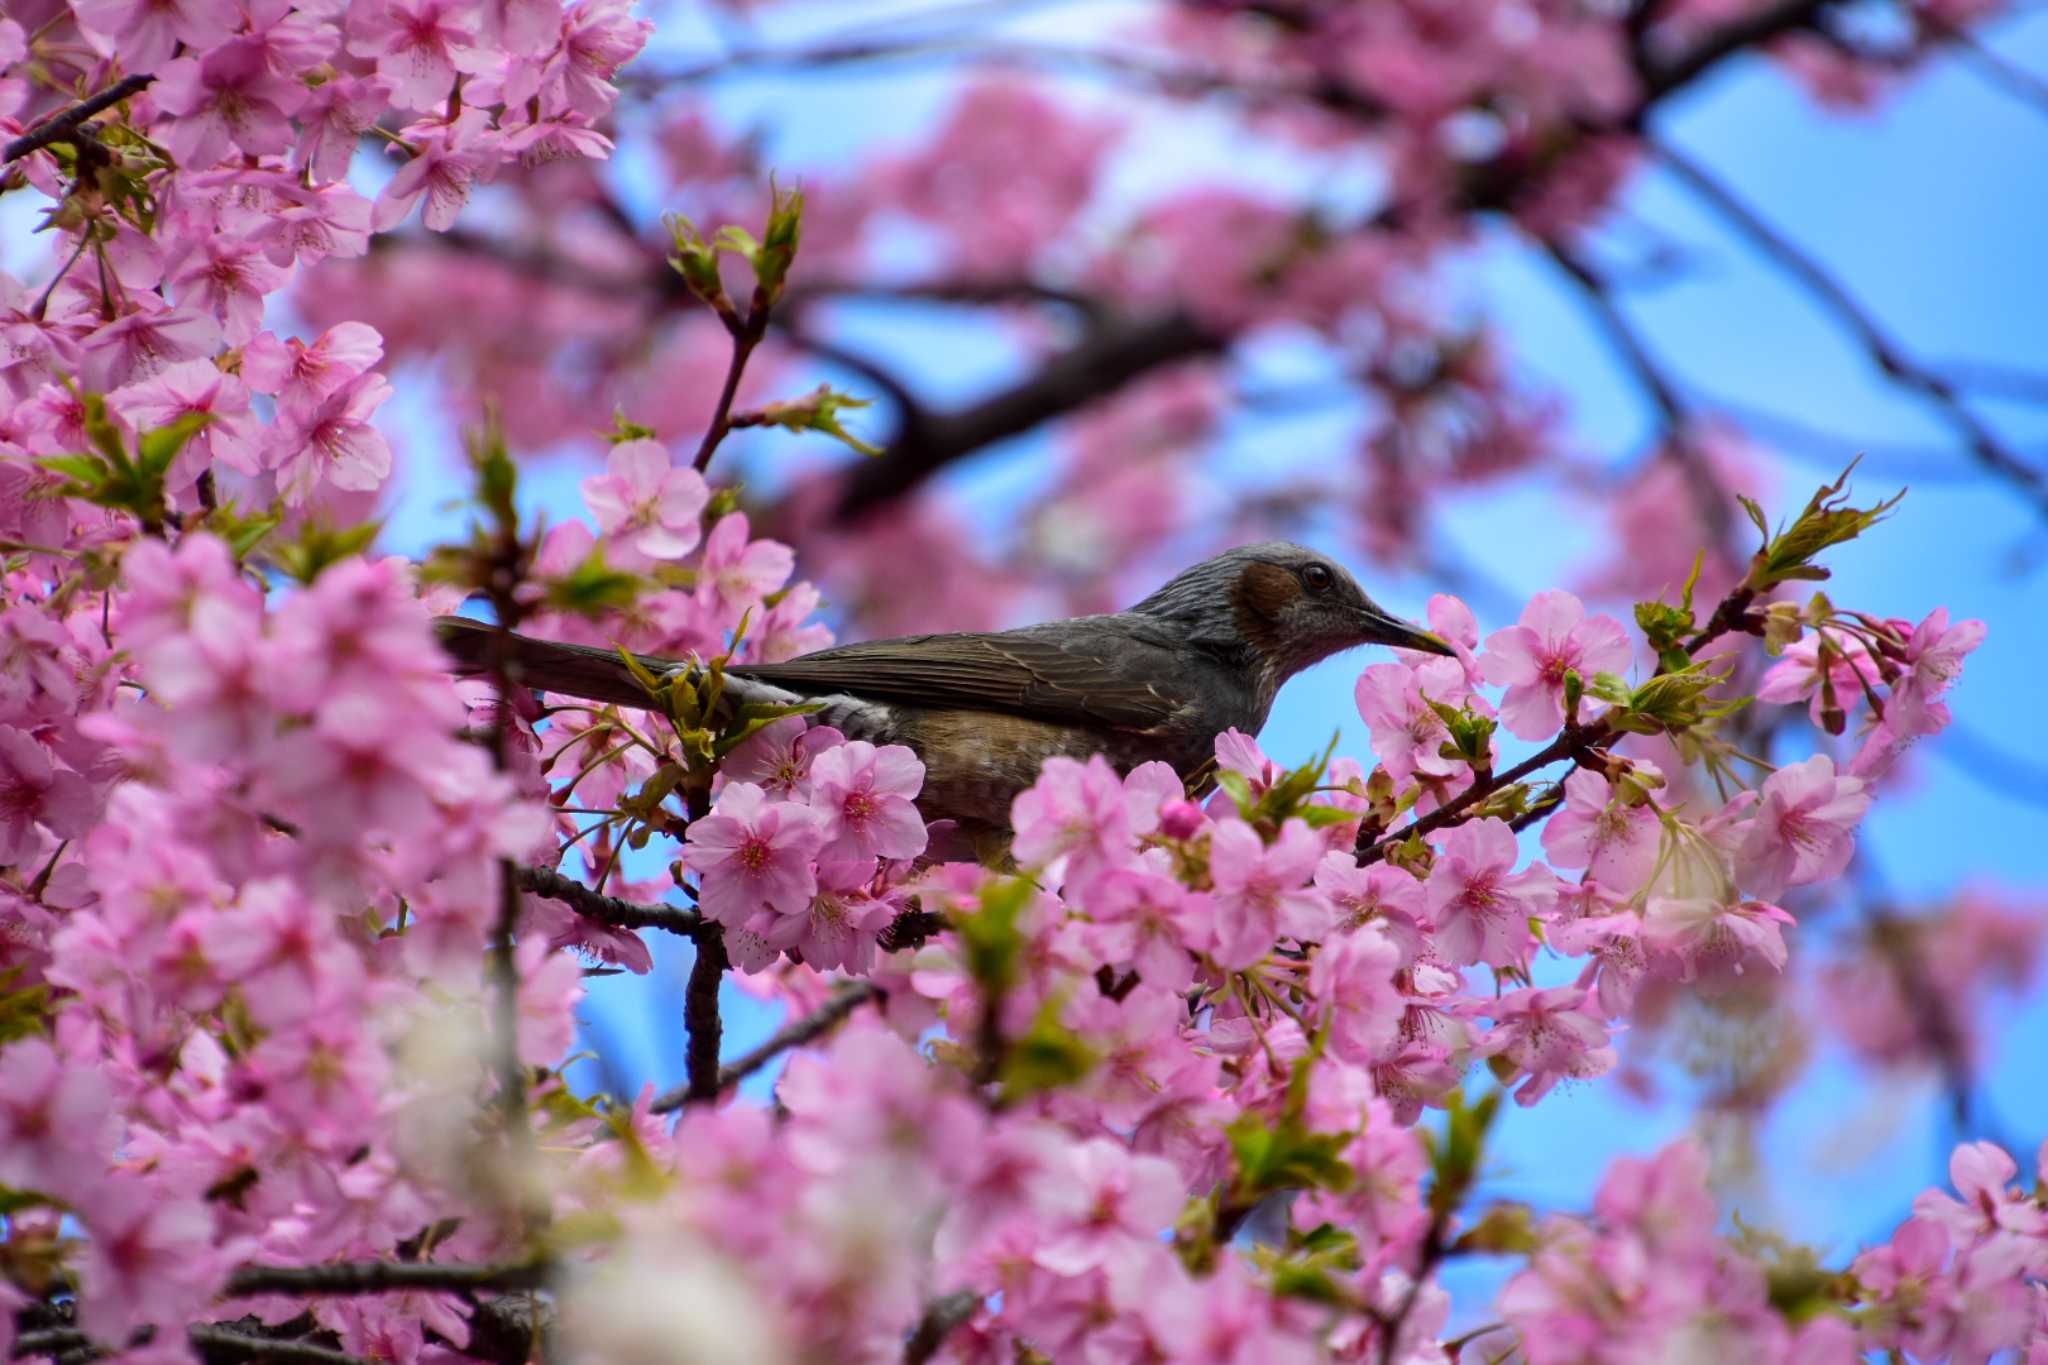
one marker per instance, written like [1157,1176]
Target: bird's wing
[1082,674]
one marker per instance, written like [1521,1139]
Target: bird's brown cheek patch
[1262,594]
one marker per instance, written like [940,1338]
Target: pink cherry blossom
[1530,659]
[1119,1200]
[1614,841]
[1801,832]
[36,791]
[418,45]
[227,276]
[1546,1036]
[736,572]
[779,756]
[648,508]
[445,164]
[229,100]
[146,32]
[1983,1173]
[1353,982]
[330,440]
[1934,660]
[57,1123]
[1074,820]
[754,852]
[1262,891]
[864,794]
[1480,906]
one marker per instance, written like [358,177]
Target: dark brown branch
[383,1277]
[215,1345]
[941,1316]
[63,124]
[1664,78]
[1105,360]
[700,1017]
[844,1001]
[1938,392]
[609,910]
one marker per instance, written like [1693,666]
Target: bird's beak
[1381,629]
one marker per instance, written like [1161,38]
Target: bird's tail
[549,665]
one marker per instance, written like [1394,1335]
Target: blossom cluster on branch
[290,951]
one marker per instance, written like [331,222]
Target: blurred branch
[940,1318]
[1164,75]
[1662,78]
[1112,355]
[1801,440]
[2015,80]
[1994,380]
[1937,391]
[1992,765]
[383,1277]
[1709,499]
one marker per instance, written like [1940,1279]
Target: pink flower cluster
[259,111]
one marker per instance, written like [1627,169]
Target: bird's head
[1285,602]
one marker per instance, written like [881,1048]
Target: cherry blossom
[1530,659]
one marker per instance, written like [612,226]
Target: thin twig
[61,125]
[743,343]
[609,910]
[384,1277]
[1937,391]
[844,1001]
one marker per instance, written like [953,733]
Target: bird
[1206,653]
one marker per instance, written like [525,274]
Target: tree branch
[215,1345]
[1675,418]
[847,998]
[609,910]
[384,1277]
[1938,392]
[700,1017]
[1106,359]
[63,124]
[941,1316]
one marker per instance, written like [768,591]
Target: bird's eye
[1317,578]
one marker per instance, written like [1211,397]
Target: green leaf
[593,588]
[624,430]
[1048,1056]
[155,450]
[992,943]
[1827,520]
[1239,788]
[319,546]
[24,1012]
[818,411]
